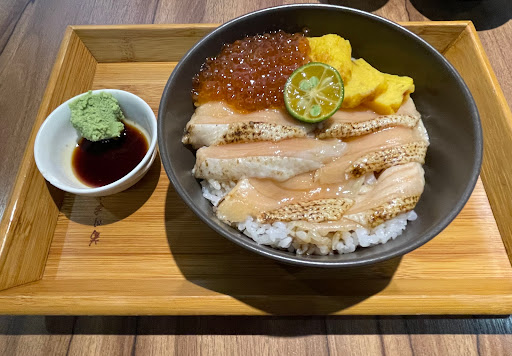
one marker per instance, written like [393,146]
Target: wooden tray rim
[71,303]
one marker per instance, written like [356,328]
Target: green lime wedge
[313,92]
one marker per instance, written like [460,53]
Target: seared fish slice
[357,122]
[297,197]
[277,160]
[397,191]
[377,161]
[387,211]
[353,129]
[375,152]
[325,208]
[215,123]
[312,211]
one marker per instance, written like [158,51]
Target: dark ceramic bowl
[449,113]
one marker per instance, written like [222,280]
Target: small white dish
[57,139]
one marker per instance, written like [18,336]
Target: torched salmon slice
[360,121]
[253,197]
[215,123]
[375,152]
[277,160]
[326,208]
[397,191]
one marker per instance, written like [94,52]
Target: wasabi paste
[97,116]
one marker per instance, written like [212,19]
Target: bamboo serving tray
[144,252]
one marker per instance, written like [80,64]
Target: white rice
[214,190]
[287,236]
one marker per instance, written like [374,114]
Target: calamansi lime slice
[314,92]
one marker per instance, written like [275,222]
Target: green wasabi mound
[97,116]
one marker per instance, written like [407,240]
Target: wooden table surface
[30,33]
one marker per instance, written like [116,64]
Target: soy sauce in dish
[100,163]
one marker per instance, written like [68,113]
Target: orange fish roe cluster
[250,74]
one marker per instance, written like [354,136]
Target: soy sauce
[100,163]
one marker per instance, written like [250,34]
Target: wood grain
[492,42]
[468,56]
[25,66]
[28,48]
[10,13]
[155,240]
[26,233]
[119,342]
[441,35]
[168,43]
[141,43]
[35,338]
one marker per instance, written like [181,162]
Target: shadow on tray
[211,261]
[96,211]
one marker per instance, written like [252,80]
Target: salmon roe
[250,74]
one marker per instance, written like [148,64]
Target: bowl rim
[106,188]
[299,260]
